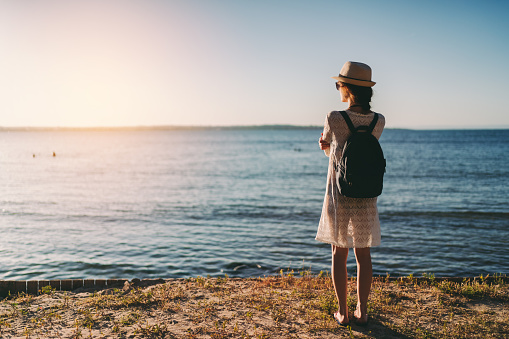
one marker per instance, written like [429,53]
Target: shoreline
[284,306]
[33,287]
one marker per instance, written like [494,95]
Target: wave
[238,266]
[448,214]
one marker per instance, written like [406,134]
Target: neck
[354,107]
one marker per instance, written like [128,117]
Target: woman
[349,222]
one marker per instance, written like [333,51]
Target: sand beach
[291,305]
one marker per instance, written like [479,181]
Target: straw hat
[355,73]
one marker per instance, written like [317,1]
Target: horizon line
[220,127]
[154,127]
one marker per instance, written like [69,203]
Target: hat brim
[362,83]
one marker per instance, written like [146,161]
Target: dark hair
[360,95]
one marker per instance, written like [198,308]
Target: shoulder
[381,118]
[336,120]
[334,116]
[380,125]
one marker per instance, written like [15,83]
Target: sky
[437,64]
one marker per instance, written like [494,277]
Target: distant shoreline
[220,128]
[158,128]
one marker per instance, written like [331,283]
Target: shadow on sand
[377,329]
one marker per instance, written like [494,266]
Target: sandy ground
[270,307]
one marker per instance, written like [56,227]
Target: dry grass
[283,306]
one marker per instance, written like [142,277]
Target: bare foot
[341,319]
[360,319]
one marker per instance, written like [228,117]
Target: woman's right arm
[326,137]
[323,144]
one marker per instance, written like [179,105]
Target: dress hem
[340,246]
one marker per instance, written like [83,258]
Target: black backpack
[360,171]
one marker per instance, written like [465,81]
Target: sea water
[243,202]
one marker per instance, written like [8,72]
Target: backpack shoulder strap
[373,123]
[352,128]
[348,121]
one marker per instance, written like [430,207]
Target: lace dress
[347,222]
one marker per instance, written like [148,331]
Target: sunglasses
[338,86]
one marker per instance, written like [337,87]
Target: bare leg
[364,277]
[340,281]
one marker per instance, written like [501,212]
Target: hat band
[354,78]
